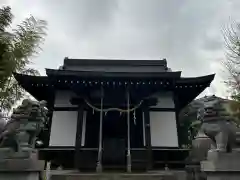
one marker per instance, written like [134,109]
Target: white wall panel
[163,129]
[64,128]
[165,100]
[62,98]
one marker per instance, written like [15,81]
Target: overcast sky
[185,32]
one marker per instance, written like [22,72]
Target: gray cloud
[186,32]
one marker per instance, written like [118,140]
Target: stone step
[163,175]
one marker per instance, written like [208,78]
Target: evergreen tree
[17,47]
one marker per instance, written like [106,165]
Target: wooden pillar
[50,125]
[83,136]
[99,160]
[129,163]
[148,138]
[176,103]
[78,137]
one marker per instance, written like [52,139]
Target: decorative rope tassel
[134,117]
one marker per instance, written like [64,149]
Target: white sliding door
[64,128]
[163,129]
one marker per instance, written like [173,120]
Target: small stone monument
[18,156]
[200,146]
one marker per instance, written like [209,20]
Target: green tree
[17,47]
[189,125]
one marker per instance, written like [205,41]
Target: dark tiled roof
[100,74]
[114,62]
[42,87]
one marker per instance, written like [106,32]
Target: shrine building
[113,114]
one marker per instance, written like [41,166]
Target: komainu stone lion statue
[218,125]
[217,132]
[18,135]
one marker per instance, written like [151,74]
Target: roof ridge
[124,62]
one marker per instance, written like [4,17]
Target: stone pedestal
[21,169]
[25,153]
[222,166]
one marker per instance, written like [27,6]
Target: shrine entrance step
[116,176]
